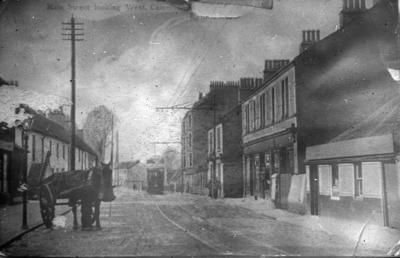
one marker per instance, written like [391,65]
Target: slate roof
[127,164]
[45,126]
[385,120]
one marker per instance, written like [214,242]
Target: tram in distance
[155,176]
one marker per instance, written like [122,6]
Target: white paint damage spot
[59,222]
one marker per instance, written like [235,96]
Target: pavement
[11,219]
[363,235]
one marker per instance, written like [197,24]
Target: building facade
[356,175]
[224,156]
[205,113]
[312,99]
[43,136]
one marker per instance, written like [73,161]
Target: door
[314,190]
[252,171]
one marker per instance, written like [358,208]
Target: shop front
[268,166]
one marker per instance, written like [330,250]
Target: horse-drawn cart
[90,187]
[66,185]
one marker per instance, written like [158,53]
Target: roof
[383,121]
[365,146]
[47,127]
[127,164]
[375,28]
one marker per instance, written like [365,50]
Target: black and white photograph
[199,128]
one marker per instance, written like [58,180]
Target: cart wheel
[46,205]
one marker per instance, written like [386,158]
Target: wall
[275,84]
[346,205]
[205,117]
[233,180]
[341,79]
[60,162]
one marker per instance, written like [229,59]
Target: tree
[172,160]
[97,128]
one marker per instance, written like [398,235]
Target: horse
[99,188]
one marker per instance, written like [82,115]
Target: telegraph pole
[71,28]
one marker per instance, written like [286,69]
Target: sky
[141,54]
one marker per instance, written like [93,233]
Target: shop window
[276,161]
[358,180]
[57,150]
[290,154]
[335,182]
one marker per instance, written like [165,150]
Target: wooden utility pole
[117,150]
[71,28]
[112,142]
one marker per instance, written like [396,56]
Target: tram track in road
[196,237]
[210,225]
[220,248]
[251,239]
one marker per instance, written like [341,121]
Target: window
[190,140]
[247,109]
[184,160]
[50,146]
[63,151]
[33,147]
[358,190]
[252,115]
[211,141]
[57,150]
[219,138]
[262,110]
[190,159]
[79,154]
[335,182]
[335,177]
[190,121]
[286,97]
[257,113]
[273,105]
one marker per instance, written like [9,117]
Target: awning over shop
[367,146]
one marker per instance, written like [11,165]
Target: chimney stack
[309,38]
[352,10]
[272,66]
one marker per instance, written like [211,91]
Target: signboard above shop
[8,146]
